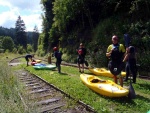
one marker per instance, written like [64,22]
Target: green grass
[10,101]
[69,81]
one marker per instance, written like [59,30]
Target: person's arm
[109,51]
[126,55]
[108,54]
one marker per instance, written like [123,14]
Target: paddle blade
[127,40]
[86,63]
[131,94]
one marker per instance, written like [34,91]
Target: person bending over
[29,57]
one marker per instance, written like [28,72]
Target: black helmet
[131,49]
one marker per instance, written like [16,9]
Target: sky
[29,10]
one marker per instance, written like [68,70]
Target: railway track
[42,97]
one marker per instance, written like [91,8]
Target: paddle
[131,94]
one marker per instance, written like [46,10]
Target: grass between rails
[69,81]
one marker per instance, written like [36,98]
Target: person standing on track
[29,57]
[81,57]
[115,52]
[58,56]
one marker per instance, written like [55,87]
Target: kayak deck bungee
[104,72]
[103,87]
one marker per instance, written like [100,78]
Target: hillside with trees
[68,22]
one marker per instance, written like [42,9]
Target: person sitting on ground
[28,57]
[115,52]
[130,63]
[58,55]
[81,57]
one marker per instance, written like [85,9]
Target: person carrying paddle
[130,60]
[58,55]
[29,57]
[81,57]
[115,52]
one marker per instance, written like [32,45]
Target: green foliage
[94,23]
[40,51]
[21,50]
[14,50]
[47,23]
[7,32]
[8,43]
[29,48]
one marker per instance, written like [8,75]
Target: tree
[7,43]
[47,22]
[21,35]
[35,37]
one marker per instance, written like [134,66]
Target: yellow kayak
[38,61]
[103,87]
[104,72]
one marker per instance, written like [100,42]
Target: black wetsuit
[27,57]
[58,56]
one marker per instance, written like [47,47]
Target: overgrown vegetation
[10,101]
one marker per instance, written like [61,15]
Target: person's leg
[115,79]
[82,63]
[78,60]
[59,68]
[127,72]
[83,68]
[111,68]
[79,67]
[121,81]
[26,60]
[27,63]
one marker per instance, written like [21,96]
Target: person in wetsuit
[115,52]
[28,57]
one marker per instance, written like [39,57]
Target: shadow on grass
[63,73]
